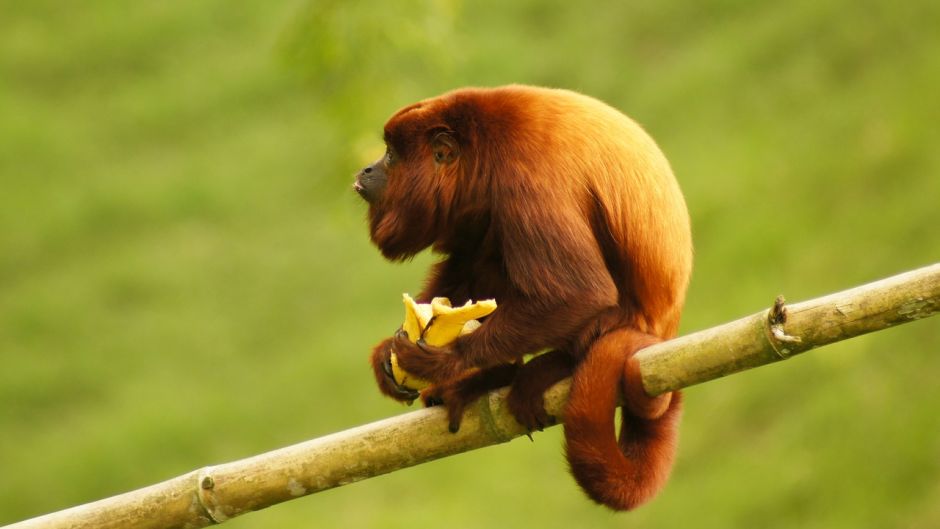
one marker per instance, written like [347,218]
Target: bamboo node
[487,419]
[776,318]
[205,495]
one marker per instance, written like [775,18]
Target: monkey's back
[613,165]
[574,153]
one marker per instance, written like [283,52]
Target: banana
[439,324]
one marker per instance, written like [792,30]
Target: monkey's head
[419,191]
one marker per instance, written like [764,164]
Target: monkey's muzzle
[370,182]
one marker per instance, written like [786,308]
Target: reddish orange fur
[566,212]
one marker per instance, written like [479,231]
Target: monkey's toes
[530,413]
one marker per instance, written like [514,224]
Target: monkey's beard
[400,235]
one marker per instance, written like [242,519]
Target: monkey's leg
[526,400]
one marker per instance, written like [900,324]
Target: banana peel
[438,324]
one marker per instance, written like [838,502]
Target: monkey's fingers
[431,396]
[427,362]
[455,411]
[530,411]
[400,345]
[526,399]
[400,391]
[447,395]
[467,388]
[384,375]
[436,350]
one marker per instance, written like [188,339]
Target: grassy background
[186,279]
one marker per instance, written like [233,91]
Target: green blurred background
[186,277]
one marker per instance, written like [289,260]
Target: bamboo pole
[217,493]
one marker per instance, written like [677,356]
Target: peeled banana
[438,324]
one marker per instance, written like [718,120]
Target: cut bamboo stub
[756,340]
[217,493]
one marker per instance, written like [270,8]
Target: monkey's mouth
[360,190]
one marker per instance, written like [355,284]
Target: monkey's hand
[434,363]
[384,375]
[422,353]
[400,364]
[426,340]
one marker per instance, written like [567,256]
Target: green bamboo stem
[217,493]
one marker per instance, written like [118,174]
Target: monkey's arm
[556,282]
[554,268]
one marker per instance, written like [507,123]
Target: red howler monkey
[566,212]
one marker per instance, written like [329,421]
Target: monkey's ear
[444,147]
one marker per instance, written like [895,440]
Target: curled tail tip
[623,473]
[626,475]
[617,495]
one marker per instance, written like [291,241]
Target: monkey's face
[410,190]
[371,181]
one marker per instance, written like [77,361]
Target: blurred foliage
[186,278]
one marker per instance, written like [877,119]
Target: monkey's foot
[526,398]
[529,410]
[455,395]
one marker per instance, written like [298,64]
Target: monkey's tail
[624,473]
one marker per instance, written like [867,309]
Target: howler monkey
[566,212]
